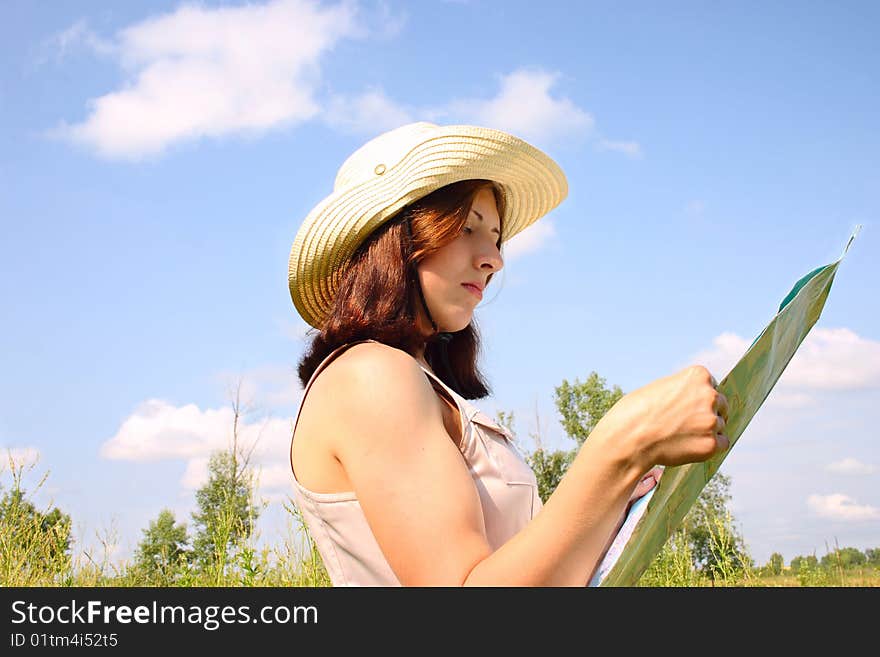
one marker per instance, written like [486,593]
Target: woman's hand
[646,483]
[672,421]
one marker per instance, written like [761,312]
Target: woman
[400,479]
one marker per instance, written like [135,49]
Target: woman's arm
[671,421]
[421,502]
[410,478]
[646,483]
[564,543]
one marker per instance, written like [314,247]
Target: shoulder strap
[324,363]
[434,378]
[329,359]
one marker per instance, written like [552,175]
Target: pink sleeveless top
[506,484]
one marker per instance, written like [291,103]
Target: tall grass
[34,552]
[675,565]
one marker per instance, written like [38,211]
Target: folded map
[654,517]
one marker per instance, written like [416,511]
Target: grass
[674,567]
[35,551]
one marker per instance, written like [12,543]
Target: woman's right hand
[671,421]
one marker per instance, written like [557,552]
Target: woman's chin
[462,322]
[454,327]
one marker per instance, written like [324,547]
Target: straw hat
[399,167]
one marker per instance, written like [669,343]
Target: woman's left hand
[646,483]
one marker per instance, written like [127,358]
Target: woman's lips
[473,289]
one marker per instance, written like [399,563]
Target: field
[36,550]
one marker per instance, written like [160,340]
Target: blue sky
[156,160]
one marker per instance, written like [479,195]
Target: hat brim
[532,184]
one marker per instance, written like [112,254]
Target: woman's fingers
[721,406]
[642,488]
[646,483]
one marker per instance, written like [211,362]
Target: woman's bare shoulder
[374,377]
[359,395]
[373,361]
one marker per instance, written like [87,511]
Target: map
[654,517]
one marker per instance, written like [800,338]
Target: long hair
[377,296]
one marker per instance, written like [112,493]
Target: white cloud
[835,359]
[275,476]
[196,473]
[781,399]
[78,34]
[851,466]
[370,113]
[389,22]
[265,387]
[726,350]
[525,107]
[531,239]
[206,72]
[201,72]
[841,507]
[158,430]
[828,359]
[631,149]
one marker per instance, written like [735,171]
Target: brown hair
[377,296]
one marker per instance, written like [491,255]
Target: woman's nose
[491,257]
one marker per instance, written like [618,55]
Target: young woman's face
[469,259]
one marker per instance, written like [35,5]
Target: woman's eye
[467,229]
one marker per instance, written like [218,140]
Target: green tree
[717,547]
[844,558]
[34,544]
[226,509]
[53,526]
[872,556]
[226,512]
[800,563]
[714,545]
[776,564]
[549,467]
[582,405]
[163,549]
